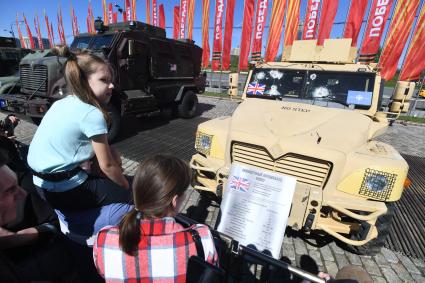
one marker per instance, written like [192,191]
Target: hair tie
[139,214]
[71,56]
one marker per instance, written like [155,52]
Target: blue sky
[30,7]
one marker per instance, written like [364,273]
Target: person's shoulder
[107,234]
[109,229]
[202,229]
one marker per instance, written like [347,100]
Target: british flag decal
[239,184]
[256,88]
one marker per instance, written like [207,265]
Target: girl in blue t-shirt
[73,136]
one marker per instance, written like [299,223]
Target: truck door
[134,71]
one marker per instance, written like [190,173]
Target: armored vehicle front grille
[34,78]
[307,170]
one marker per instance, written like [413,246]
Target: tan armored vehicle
[315,116]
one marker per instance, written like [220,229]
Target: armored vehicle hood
[298,124]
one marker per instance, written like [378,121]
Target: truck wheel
[383,224]
[36,120]
[188,106]
[114,127]
[10,88]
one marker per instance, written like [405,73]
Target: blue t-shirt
[63,141]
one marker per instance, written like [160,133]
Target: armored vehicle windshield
[332,89]
[92,42]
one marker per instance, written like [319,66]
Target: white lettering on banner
[260,19]
[111,17]
[218,20]
[312,19]
[128,14]
[183,17]
[378,18]
[155,16]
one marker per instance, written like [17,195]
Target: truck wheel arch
[7,88]
[188,106]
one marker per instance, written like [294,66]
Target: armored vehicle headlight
[203,143]
[376,183]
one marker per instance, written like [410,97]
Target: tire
[188,106]
[383,224]
[36,120]
[115,125]
[10,88]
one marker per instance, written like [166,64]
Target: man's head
[10,194]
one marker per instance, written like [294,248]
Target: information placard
[255,207]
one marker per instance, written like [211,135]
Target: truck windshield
[102,41]
[332,89]
[92,42]
[80,42]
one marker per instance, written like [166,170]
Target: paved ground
[387,266]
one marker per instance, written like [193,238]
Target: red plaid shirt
[163,251]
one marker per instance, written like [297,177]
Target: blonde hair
[79,66]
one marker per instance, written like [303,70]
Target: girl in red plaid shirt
[148,245]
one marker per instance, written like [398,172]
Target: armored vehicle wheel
[10,88]
[36,120]
[115,119]
[383,224]
[188,106]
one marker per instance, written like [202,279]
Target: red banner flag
[110,13]
[29,34]
[105,13]
[148,11]
[21,38]
[327,16]
[60,27]
[176,22]
[190,15]
[126,15]
[154,13]
[415,58]
[260,22]
[205,34]
[378,16]
[161,16]
[218,36]
[37,29]
[52,33]
[246,34]
[275,30]
[75,30]
[49,32]
[354,20]
[90,19]
[401,24]
[292,20]
[182,18]
[311,19]
[115,17]
[88,23]
[133,10]
[227,43]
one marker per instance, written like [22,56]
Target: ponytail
[129,232]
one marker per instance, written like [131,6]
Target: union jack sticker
[239,184]
[256,88]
